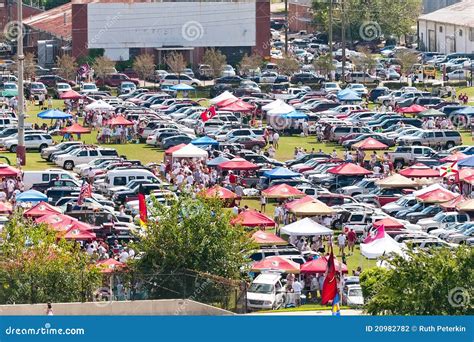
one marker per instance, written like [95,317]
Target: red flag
[86,191]
[208,113]
[142,207]
[375,234]
[330,282]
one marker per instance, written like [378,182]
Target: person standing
[341,242]
[276,138]
[351,240]
[263,203]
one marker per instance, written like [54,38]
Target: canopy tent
[298,202]
[349,169]
[8,171]
[5,208]
[419,170]
[220,192]
[295,115]
[431,113]
[320,265]
[189,151]
[466,205]
[61,222]
[305,227]
[396,181]
[99,105]
[221,97]
[455,157]
[54,114]
[252,218]
[182,87]
[109,265]
[217,161]
[238,164]
[369,144]
[276,263]
[263,238]
[75,128]
[119,121]
[414,108]
[205,141]
[173,149]
[275,104]
[31,196]
[469,180]
[465,173]
[238,106]
[451,205]
[388,223]
[70,95]
[313,208]
[282,191]
[348,95]
[468,162]
[41,209]
[283,108]
[380,247]
[438,195]
[78,234]
[281,173]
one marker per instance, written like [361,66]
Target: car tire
[450,144]
[68,165]
[399,163]
[13,148]
[194,84]
[42,147]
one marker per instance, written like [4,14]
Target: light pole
[343,29]
[20,150]
[330,36]
[286,28]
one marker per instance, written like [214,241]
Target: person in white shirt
[123,257]
[341,242]
[297,288]
[276,137]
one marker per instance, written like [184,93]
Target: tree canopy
[144,65]
[216,60]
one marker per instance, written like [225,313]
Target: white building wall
[449,40]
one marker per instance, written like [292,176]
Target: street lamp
[20,150]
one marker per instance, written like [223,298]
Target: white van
[118,178]
[31,178]
[266,292]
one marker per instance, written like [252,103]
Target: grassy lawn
[305,307]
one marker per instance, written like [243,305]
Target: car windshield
[89,86]
[439,216]
[355,292]
[402,201]
[261,288]
[427,210]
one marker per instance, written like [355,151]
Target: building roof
[57,21]
[460,14]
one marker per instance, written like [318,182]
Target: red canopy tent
[61,222]
[437,196]
[119,121]
[109,265]
[77,233]
[370,144]
[267,239]
[419,170]
[70,95]
[414,108]
[451,205]
[237,107]
[5,208]
[320,266]
[41,209]
[388,223]
[238,164]
[174,149]
[282,191]
[234,101]
[457,156]
[8,171]
[276,263]
[227,102]
[252,218]
[349,169]
[75,128]
[465,173]
[220,192]
[296,203]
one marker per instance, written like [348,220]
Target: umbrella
[438,195]
[320,265]
[77,233]
[119,121]
[220,192]
[451,205]
[295,115]
[182,87]
[75,128]
[431,113]
[41,209]
[457,156]
[370,144]
[99,105]
[238,164]
[276,263]
[8,171]
[298,202]
[61,222]
[280,172]
[468,162]
[70,95]
[252,218]
[31,196]
[109,265]
[466,205]
[282,191]
[54,114]
[396,181]
[348,95]
[267,239]
[349,169]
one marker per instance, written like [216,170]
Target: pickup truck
[42,187]
[120,197]
[407,155]
[290,94]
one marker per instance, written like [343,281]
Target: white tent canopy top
[190,151]
[275,104]
[281,109]
[221,97]
[99,105]
[379,247]
[305,227]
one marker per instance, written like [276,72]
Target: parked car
[433,138]
[173,79]
[88,88]
[114,80]
[32,142]
[51,80]
[306,78]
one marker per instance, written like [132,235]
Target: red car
[249,143]
[114,80]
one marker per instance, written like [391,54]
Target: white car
[83,156]
[266,292]
[32,142]
[458,75]
[268,77]
[228,71]
[173,79]
[358,88]
[127,87]
[89,88]
[331,87]
[352,295]
[62,88]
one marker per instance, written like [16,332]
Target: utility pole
[286,28]
[20,150]
[343,29]
[330,36]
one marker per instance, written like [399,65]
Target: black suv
[305,78]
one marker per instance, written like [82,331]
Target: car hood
[260,296]
[355,300]
[426,221]
[392,206]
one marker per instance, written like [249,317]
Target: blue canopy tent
[280,172]
[54,114]
[205,141]
[468,162]
[217,161]
[295,115]
[348,95]
[182,87]
[31,196]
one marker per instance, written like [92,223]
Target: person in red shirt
[351,240]
[232,178]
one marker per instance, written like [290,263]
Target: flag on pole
[375,234]
[86,191]
[336,308]
[450,170]
[142,207]
[329,291]
[208,113]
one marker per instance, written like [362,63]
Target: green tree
[67,66]
[288,65]
[36,268]
[216,60]
[434,282]
[103,66]
[249,64]
[176,62]
[144,65]
[407,59]
[324,64]
[191,234]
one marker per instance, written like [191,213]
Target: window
[452,134]
[441,29]
[471,34]
[460,33]
[45,177]
[417,151]
[108,153]
[438,134]
[82,154]
[120,180]
[93,153]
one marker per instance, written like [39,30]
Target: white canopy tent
[275,104]
[221,97]
[430,188]
[305,227]
[190,151]
[283,108]
[379,247]
[99,105]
